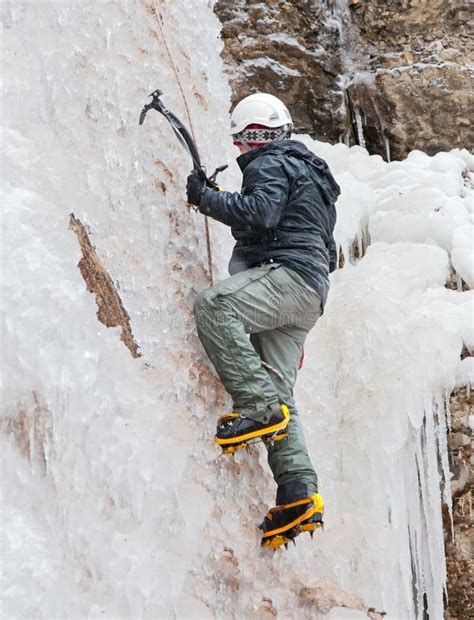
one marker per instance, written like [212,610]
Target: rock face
[417,95]
[291,48]
[459,563]
[111,311]
[391,76]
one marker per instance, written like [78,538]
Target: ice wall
[114,442]
[117,504]
[380,367]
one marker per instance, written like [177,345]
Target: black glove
[195,188]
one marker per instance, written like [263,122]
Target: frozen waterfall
[116,503]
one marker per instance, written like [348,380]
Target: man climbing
[253,325]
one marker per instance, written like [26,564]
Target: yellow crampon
[267,434]
[282,535]
[241,446]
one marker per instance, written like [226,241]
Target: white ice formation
[116,503]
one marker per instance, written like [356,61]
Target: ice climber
[253,325]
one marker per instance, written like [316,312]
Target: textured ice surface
[116,502]
[379,366]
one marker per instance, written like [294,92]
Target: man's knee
[202,301]
[204,305]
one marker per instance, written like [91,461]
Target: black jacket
[285,212]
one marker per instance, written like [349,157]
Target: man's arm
[265,187]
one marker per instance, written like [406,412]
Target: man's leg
[275,306]
[250,301]
[289,461]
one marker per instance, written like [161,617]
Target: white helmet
[259,109]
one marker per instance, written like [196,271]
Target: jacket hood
[296,149]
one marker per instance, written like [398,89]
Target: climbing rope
[186,107]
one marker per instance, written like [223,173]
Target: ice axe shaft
[182,134]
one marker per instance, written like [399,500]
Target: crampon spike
[280,530]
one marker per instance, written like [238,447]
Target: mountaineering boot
[284,523]
[235,432]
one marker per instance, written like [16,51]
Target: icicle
[360,128]
[448,411]
[441,433]
[458,282]
[382,129]
[387,147]
[359,245]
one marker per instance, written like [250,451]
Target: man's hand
[195,188]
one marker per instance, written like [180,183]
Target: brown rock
[459,561]
[288,49]
[111,311]
[402,64]
[325,595]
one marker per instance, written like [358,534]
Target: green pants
[277,309]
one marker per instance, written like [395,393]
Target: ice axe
[183,136]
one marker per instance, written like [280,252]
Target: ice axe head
[155,103]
